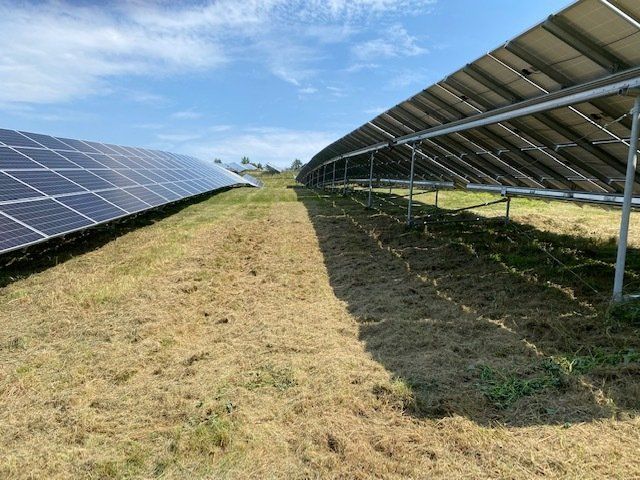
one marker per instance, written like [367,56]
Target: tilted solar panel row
[579,147]
[53,186]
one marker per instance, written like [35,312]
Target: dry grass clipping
[277,334]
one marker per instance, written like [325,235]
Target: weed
[504,389]
[271,376]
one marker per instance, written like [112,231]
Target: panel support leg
[333,182]
[413,166]
[626,204]
[508,209]
[437,197]
[370,200]
[324,177]
[344,184]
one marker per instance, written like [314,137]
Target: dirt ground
[286,333]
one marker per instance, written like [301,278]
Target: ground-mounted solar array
[552,113]
[574,144]
[53,186]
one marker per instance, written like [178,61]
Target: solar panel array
[580,147]
[53,186]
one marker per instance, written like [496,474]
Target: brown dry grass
[278,334]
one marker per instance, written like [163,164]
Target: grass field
[286,333]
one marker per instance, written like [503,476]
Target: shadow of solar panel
[93,206]
[124,200]
[46,216]
[13,234]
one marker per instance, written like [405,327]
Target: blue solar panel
[124,200]
[11,159]
[114,177]
[147,196]
[81,159]
[50,186]
[92,206]
[11,189]
[15,139]
[48,158]
[13,234]
[47,182]
[86,179]
[47,141]
[46,216]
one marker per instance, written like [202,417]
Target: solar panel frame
[74,184]
[556,149]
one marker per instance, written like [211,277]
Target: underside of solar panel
[546,113]
[51,186]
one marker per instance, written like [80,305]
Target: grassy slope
[275,333]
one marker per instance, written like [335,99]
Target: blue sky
[271,79]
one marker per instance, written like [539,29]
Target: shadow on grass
[21,264]
[477,319]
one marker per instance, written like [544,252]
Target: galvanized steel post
[344,185]
[413,165]
[626,205]
[333,182]
[369,200]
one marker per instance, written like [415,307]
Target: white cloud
[375,110]
[405,78]
[396,43]
[307,90]
[278,146]
[186,115]
[54,51]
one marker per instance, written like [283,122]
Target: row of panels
[54,186]
[582,147]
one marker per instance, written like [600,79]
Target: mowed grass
[284,333]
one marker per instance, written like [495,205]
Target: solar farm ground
[278,333]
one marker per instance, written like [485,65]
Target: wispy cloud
[186,115]
[375,110]
[395,43]
[279,146]
[54,51]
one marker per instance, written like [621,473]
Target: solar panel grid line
[145,186]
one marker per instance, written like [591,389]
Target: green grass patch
[503,388]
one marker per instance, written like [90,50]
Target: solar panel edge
[198,176]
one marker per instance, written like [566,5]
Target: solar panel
[52,186]
[485,126]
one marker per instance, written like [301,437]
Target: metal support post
[369,200]
[413,165]
[437,197]
[506,215]
[344,185]
[626,204]
[333,182]
[324,177]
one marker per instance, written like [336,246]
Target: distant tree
[296,164]
[259,166]
[245,160]
[217,160]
